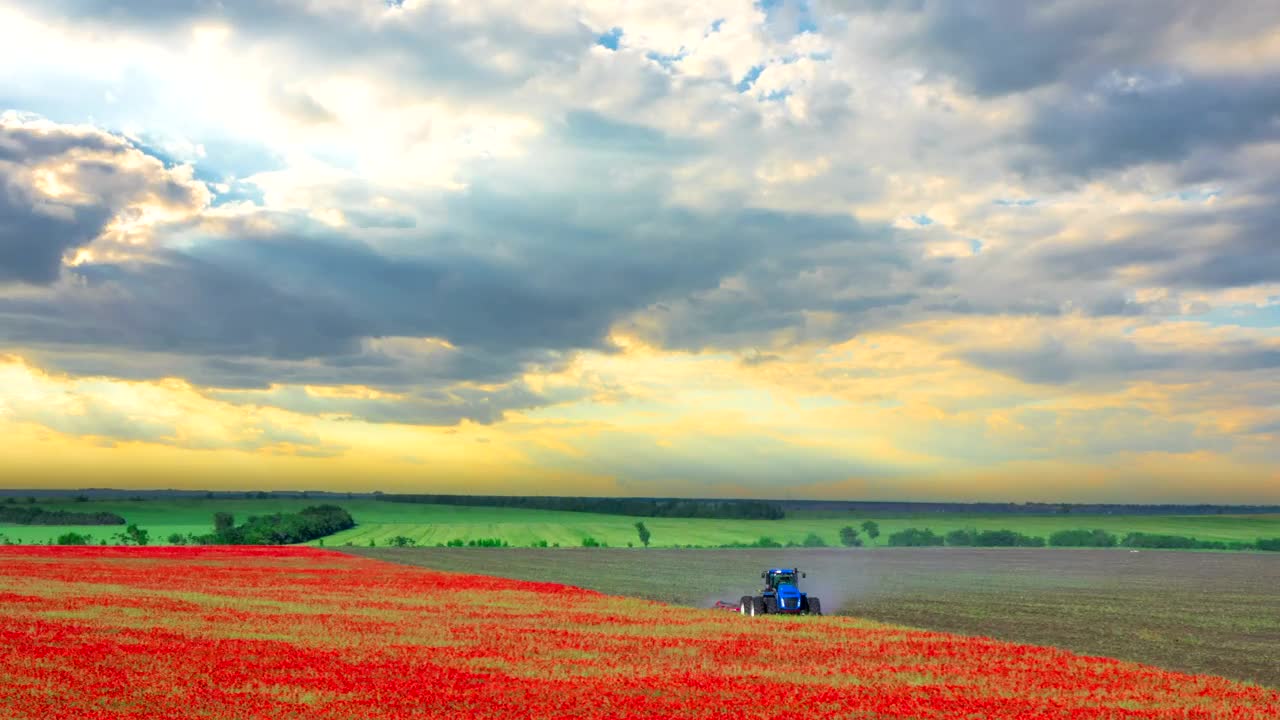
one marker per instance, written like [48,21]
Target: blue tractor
[781,595]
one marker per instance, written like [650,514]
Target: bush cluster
[1182,542]
[1269,544]
[312,523]
[1083,538]
[912,537]
[475,542]
[992,538]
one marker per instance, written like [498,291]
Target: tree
[133,535]
[849,537]
[643,532]
[871,528]
[223,522]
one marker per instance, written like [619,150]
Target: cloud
[1054,361]
[995,48]
[1139,118]
[62,188]
[474,218]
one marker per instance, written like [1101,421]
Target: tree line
[641,507]
[32,515]
[916,537]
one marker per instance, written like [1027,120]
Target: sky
[853,249]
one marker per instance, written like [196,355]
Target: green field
[429,525]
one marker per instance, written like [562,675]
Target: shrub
[74,538]
[456,542]
[1269,544]
[812,540]
[912,537]
[849,537]
[400,541]
[766,542]
[177,539]
[590,542]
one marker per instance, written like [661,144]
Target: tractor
[781,595]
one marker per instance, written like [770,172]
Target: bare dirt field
[1216,613]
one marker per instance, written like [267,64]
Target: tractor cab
[775,578]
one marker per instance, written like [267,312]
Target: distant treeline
[29,515]
[639,507]
[915,537]
[311,523]
[1029,508]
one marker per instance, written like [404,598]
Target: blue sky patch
[750,78]
[610,39]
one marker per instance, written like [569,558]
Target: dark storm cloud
[38,227]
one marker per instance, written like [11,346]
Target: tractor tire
[744,605]
[815,606]
[757,606]
[770,604]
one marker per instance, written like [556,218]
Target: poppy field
[222,633]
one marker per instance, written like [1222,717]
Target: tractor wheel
[757,606]
[770,604]
[744,605]
[815,606]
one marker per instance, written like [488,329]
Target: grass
[432,524]
[1198,612]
